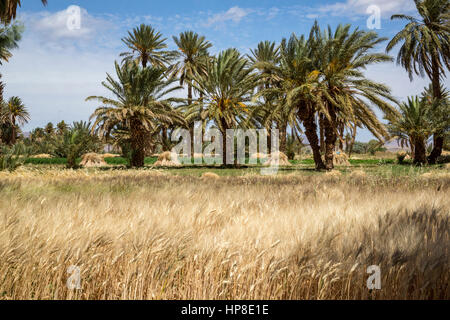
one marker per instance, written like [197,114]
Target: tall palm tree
[344,93]
[412,127]
[227,89]
[266,58]
[425,49]
[147,47]
[194,56]
[138,106]
[8,9]
[15,113]
[298,85]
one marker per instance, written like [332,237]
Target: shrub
[13,157]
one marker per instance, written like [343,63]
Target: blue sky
[55,68]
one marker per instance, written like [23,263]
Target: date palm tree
[8,9]
[344,94]
[425,49]
[147,47]
[266,58]
[138,106]
[194,56]
[15,113]
[227,89]
[298,87]
[412,127]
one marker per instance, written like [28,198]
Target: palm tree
[194,56]
[8,9]
[266,58]
[138,106]
[298,85]
[147,46]
[9,38]
[49,129]
[344,95]
[412,127]
[61,127]
[226,90]
[15,112]
[425,49]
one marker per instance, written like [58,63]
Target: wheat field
[151,235]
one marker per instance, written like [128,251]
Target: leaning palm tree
[15,113]
[227,89]
[8,9]
[412,127]
[425,49]
[138,106]
[147,47]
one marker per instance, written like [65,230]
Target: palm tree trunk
[283,132]
[144,61]
[137,144]
[352,143]
[191,127]
[223,130]
[341,134]
[438,139]
[330,138]
[13,130]
[322,134]
[420,152]
[307,117]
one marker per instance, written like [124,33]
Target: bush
[401,157]
[13,157]
[445,158]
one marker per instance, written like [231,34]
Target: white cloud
[234,14]
[358,7]
[56,26]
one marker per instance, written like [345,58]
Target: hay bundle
[210,176]
[340,159]
[90,160]
[110,155]
[358,174]
[258,156]
[167,159]
[277,158]
[447,166]
[43,156]
[333,174]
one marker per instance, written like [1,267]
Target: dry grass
[148,235]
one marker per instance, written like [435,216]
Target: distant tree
[49,129]
[61,127]
[14,113]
